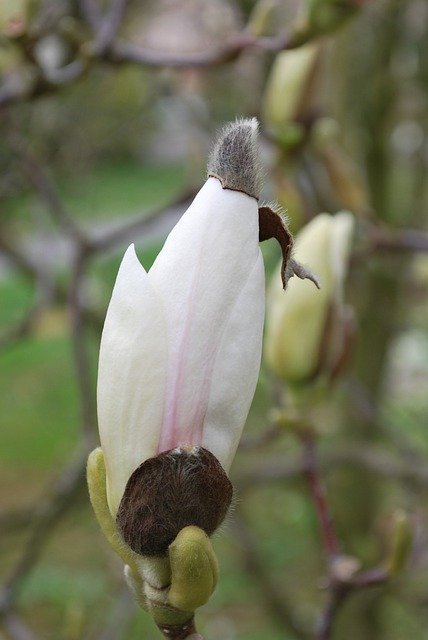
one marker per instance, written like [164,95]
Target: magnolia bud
[325,16]
[287,92]
[307,333]
[401,542]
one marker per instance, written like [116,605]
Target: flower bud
[325,16]
[288,92]
[307,332]
[401,542]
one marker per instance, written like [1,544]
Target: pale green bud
[194,569]
[287,91]
[401,543]
[325,16]
[306,329]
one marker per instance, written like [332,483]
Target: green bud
[287,90]
[96,476]
[194,569]
[325,16]
[261,17]
[307,330]
[401,543]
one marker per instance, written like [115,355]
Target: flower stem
[180,631]
[317,490]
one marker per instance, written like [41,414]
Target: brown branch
[316,487]
[17,518]
[16,629]
[119,618]
[274,469]
[90,12]
[109,27]
[339,591]
[131,230]
[66,489]
[82,362]
[45,187]
[23,328]
[274,601]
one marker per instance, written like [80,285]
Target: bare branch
[384,464]
[45,187]
[317,491]
[66,489]
[81,357]
[280,610]
[109,26]
[142,225]
[16,629]
[90,12]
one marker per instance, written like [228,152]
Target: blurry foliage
[123,140]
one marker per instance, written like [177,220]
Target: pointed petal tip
[235,159]
[130,259]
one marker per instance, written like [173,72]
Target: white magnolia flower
[181,346]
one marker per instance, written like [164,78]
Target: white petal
[200,273]
[236,370]
[131,376]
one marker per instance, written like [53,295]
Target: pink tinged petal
[131,376]
[236,370]
[200,273]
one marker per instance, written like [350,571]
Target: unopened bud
[401,543]
[261,17]
[194,569]
[307,331]
[324,16]
[288,92]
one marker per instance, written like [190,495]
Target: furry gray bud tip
[235,158]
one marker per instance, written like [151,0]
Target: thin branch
[16,629]
[66,490]
[274,601]
[273,469]
[82,361]
[339,591]
[45,187]
[142,225]
[109,26]
[312,473]
[90,13]
[23,328]
[119,618]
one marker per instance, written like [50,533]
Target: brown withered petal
[175,489]
[272,224]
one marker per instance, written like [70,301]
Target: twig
[273,469]
[317,491]
[120,617]
[339,591]
[109,26]
[274,601]
[45,187]
[142,225]
[81,357]
[66,490]
[16,629]
[90,12]
[13,519]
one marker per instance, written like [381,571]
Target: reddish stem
[317,490]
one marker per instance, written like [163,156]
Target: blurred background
[107,112]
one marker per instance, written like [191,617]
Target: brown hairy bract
[175,489]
